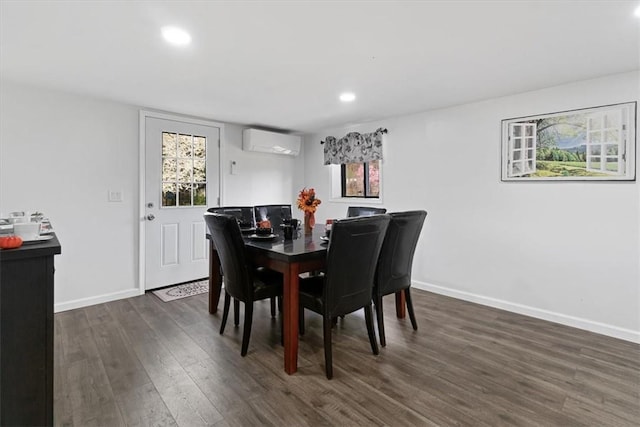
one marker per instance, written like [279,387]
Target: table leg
[290,314]
[400,305]
[215,279]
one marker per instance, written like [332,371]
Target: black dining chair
[242,281]
[353,211]
[245,217]
[276,214]
[393,273]
[347,284]
[243,214]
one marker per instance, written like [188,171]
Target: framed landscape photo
[590,144]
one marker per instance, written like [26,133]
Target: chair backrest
[351,263]
[364,211]
[396,257]
[274,213]
[227,238]
[243,214]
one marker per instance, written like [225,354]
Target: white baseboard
[576,322]
[85,302]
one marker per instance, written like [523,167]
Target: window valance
[354,147]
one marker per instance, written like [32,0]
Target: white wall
[60,153]
[260,178]
[567,252]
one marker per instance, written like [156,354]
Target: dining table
[305,253]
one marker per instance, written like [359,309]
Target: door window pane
[184,193]
[199,147]
[168,194]
[169,168]
[184,146]
[199,171]
[185,168]
[200,194]
[168,144]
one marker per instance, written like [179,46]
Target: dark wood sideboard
[26,334]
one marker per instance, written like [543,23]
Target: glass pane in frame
[200,194]
[168,144]
[185,146]
[184,193]
[199,147]
[611,149]
[354,180]
[169,167]
[517,168]
[199,171]
[374,179]
[185,169]
[168,194]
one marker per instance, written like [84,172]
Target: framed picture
[590,144]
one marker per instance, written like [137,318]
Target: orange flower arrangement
[307,201]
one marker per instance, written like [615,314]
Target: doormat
[183,291]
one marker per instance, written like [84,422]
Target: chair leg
[380,318]
[328,362]
[412,315]
[225,313]
[246,333]
[236,312]
[273,306]
[368,316]
[300,320]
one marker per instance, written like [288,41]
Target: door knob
[151,217]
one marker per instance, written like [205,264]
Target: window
[184,174]
[604,145]
[522,149]
[361,179]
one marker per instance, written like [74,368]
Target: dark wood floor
[140,361]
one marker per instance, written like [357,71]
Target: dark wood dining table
[305,253]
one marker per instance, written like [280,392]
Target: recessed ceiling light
[176,36]
[347,97]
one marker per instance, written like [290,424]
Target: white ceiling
[282,64]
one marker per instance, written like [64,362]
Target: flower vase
[309,222]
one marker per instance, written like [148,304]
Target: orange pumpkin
[264,224]
[10,242]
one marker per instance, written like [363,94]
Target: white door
[181,180]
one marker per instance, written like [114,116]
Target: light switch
[115,195]
[234,167]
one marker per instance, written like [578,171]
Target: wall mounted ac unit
[270,142]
